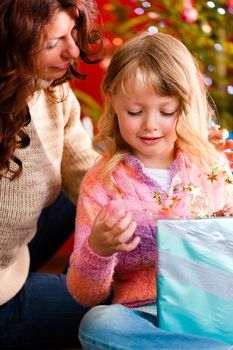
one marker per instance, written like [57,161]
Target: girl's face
[59,49]
[147,123]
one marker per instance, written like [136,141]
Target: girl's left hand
[228,145]
[226,211]
[218,138]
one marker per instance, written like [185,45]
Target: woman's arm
[78,154]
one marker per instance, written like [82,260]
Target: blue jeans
[117,327]
[43,314]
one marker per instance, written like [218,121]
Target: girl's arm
[97,240]
[90,275]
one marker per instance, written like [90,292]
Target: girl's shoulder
[94,174]
[190,163]
[215,176]
[95,186]
[97,169]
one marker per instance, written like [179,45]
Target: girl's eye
[51,44]
[166,114]
[134,113]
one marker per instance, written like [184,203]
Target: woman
[43,150]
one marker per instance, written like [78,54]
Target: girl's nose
[150,123]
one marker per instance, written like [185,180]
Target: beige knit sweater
[58,156]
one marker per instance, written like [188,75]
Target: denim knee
[117,327]
[101,326]
[99,318]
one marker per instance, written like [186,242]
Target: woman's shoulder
[52,95]
[64,93]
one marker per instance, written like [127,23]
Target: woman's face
[59,49]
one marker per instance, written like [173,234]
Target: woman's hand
[218,138]
[111,231]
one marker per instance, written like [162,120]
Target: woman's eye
[51,44]
[134,113]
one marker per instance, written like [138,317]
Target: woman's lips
[62,66]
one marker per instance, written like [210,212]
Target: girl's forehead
[138,88]
[134,84]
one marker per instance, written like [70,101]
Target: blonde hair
[162,62]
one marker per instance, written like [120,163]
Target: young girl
[153,138]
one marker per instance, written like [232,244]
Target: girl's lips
[150,140]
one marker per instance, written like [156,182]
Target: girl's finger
[113,219]
[228,211]
[102,214]
[219,213]
[128,247]
[126,234]
[123,223]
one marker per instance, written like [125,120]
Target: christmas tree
[205,27]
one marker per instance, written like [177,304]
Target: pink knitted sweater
[131,276]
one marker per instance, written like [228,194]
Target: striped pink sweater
[130,276]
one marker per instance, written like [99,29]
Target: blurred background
[205,27]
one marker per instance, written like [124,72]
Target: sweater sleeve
[78,154]
[89,277]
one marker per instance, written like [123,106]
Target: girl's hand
[228,145]
[218,138]
[226,211]
[111,231]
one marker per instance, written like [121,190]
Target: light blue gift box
[195,276]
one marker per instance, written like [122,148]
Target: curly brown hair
[22,26]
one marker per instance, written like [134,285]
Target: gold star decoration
[212,177]
[228,181]
[196,195]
